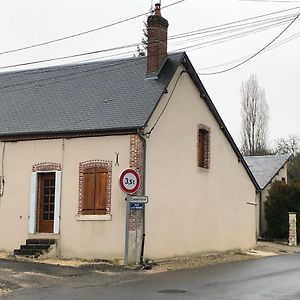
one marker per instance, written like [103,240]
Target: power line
[235,22]
[178,36]
[255,54]
[84,32]
[286,40]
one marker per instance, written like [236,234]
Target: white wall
[192,209]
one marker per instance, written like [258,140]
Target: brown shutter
[201,148]
[100,192]
[88,191]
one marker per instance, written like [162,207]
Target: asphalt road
[266,278]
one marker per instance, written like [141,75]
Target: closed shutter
[201,147]
[88,191]
[100,192]
[94,191]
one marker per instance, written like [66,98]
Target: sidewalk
[279,246]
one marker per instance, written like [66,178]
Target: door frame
[33,201]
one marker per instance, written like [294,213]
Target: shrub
[283,198]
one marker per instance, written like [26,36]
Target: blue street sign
[137,206]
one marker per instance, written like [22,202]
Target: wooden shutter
[100,191]
[88,191]
[201,147]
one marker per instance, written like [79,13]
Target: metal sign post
[127,230]
[129,184]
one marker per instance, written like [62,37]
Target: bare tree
[290,145]
[255,118]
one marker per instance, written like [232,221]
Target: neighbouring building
[67,132]
[266,169]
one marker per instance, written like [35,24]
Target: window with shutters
[203,146]
[95,188]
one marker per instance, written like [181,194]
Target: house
[266,169]
[67,133]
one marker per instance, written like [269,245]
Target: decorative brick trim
[203,146]
[46,166]
[136,162]
[42,167]
[95,163]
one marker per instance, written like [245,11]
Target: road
[266,278]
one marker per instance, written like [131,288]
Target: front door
[46,201]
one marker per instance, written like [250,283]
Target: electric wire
[84,32]
[274,46]
[255,54]
[137,44]
[67,75]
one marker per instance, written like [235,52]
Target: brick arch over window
[95,179]
[46,166]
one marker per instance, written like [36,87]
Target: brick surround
[96,164]
[205,161]
[43,167]
[136,162]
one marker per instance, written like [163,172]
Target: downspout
[260,211]
[143,192]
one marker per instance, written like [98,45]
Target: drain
[172,291]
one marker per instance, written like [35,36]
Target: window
[95,178]
[94,191]
[203,147]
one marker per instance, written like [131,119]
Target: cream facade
[190,210]
[194,209]
[78,236]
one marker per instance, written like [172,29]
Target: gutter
[144,193]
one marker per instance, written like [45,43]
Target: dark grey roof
[98,96]
[264,168]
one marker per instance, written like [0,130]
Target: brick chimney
[157,41]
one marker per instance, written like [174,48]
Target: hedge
[283,198]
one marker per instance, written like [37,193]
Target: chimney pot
[157,9]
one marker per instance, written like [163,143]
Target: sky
[30,22]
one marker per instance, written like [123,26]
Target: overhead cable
[84,32]
[255,54]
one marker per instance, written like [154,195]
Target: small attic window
[203,146]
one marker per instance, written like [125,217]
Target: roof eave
[288,158]
[69,134]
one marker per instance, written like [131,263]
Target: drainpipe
[260,216]
[143,191]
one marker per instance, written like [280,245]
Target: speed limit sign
[129,181]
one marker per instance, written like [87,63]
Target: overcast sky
[25,23]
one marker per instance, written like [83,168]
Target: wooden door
[46,201]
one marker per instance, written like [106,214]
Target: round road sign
[129,181]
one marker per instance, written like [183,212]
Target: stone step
[28,252]
[35,246]
[40,241]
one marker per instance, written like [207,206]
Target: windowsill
[93,217]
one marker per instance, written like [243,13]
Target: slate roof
[265,168]
[97,96]
[103,97]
